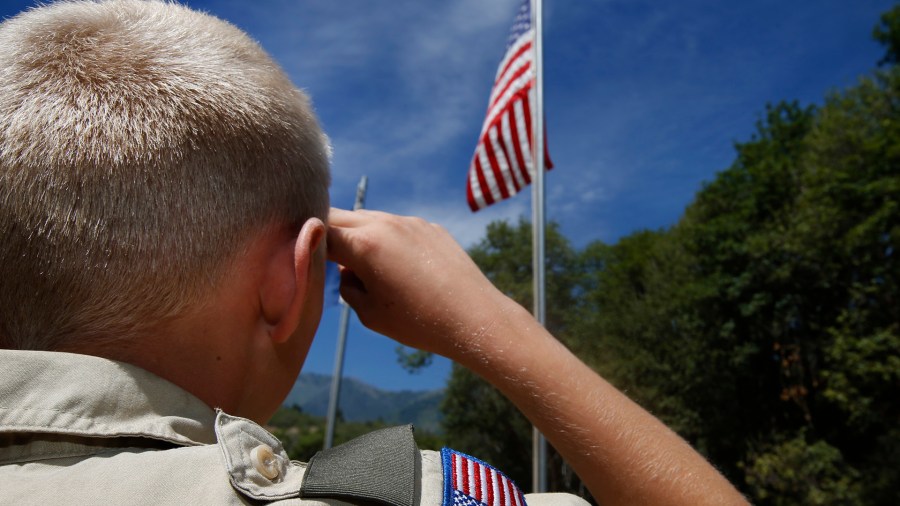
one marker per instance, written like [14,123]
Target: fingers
[344,218]
[346,239]
[355,235]
[339,245]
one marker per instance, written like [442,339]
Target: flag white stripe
[476,187]
[502,164]
[524,141]
[513,160]
[520,83]
[488,174]
[523,39]
[523,60]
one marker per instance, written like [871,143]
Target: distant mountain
[361,402]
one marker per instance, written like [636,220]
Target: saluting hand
[409,279]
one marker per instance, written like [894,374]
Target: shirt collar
[82,395]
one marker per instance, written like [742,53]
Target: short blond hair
[142,144]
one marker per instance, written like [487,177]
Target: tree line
[764,326]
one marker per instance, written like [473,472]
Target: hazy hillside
[361,402]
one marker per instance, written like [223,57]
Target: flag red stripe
[495,168]
[501,142]
[482,183]
[526,107]
[489,175]
[503,157]
[517,142]
[510,152]
[523,84]
[525,68]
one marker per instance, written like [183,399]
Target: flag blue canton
[521,24]
[460,499]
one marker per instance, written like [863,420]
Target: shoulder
[248,465]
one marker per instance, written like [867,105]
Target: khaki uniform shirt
[77,429]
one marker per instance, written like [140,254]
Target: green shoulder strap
[378,467]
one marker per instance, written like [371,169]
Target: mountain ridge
[360,401]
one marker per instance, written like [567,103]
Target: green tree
[764,325]
[793,471]
[848,226]
[887,32]
[303,435]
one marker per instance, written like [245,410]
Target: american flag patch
[471,482]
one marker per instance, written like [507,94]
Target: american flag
[502,164]
[470,482]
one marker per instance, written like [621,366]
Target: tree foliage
[303,435]
[887,32]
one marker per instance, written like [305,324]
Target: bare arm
[409,280]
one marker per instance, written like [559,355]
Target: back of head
[142,145]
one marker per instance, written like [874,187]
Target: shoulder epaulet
[378,467]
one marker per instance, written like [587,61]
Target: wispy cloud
[401,80]
[466,227]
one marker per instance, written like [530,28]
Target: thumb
[352,289]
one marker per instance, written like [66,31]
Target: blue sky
[644,101]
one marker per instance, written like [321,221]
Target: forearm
[621,452]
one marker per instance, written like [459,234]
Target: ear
[285,290]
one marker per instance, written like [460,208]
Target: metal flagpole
[539,445]
[342,339]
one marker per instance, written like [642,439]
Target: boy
[164,205]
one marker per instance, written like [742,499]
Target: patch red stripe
[455,472]
[489,486]
[476,475]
